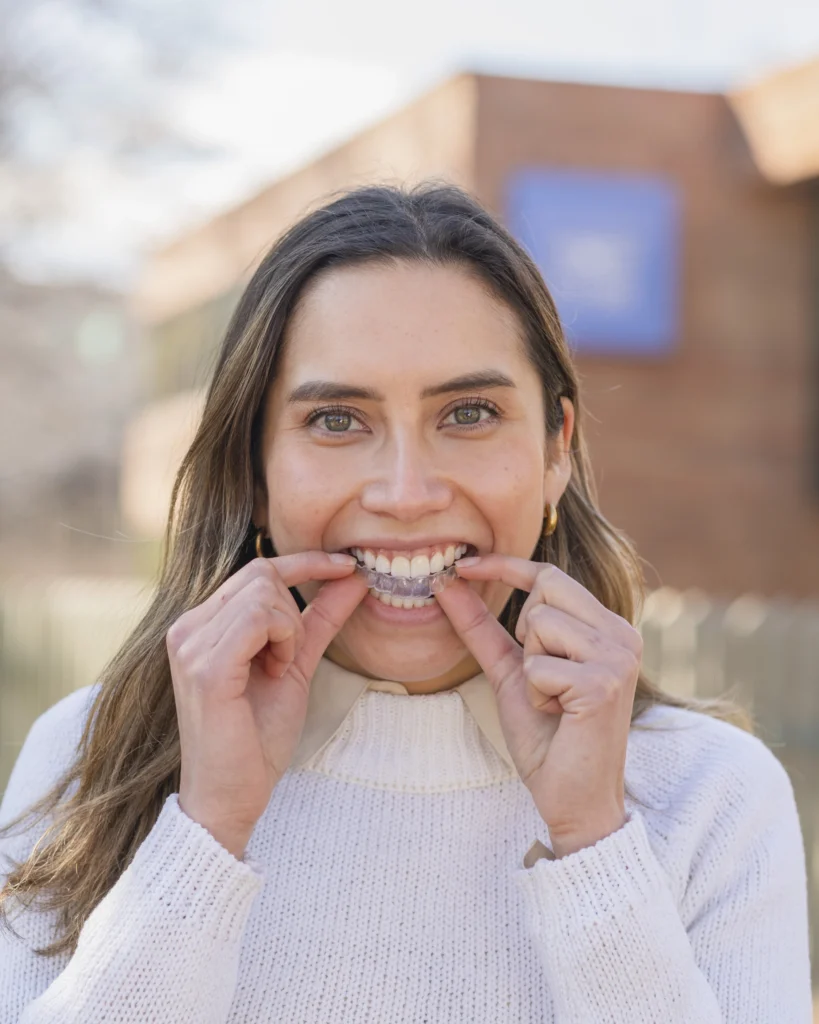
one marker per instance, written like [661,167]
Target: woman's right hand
[241,664]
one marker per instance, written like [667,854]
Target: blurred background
[658,158]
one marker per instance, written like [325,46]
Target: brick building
[690,301]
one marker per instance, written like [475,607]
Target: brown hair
[128,760]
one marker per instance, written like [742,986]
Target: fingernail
[472,560]
[341,558]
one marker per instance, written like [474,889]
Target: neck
[465,669]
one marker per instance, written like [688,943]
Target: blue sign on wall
[608,248]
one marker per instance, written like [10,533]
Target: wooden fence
[56,636]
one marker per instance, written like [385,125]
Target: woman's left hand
[578,661]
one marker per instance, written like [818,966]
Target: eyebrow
[327,391]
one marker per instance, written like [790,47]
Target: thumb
[323,618]
[484,637]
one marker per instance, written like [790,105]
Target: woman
[373,752]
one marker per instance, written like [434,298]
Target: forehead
[399,323]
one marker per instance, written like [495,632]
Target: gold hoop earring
[550,520]
[259,537]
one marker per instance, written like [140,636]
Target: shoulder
[48,750]
[720,809]
[702,770]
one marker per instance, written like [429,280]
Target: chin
[404,660]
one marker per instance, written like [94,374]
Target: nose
[406,483]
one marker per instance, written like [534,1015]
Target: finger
[273,590]
[233,638]
[593,614]
[323,618]
[305,566]
[260,630]
[276,657]
[484,637]
[338,564]
[265,587]
[553,680]
[546,583]
[552,631]
[282,599]
[259,591]
[258,568]
[516,572]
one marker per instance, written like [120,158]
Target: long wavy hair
[128,759]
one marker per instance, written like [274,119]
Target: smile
[409,579]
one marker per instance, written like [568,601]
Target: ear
[559,459]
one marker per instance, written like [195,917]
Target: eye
[466,415]
[332,420]
[474,412]
[337,421]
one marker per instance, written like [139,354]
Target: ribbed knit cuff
[184,867]
[595,883]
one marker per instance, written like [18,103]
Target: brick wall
[702,456]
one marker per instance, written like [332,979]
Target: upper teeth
[418,565]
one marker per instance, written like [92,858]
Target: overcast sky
[321,70]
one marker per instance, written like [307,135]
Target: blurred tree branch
[87,81]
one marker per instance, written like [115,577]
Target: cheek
[303,499]
[512,498]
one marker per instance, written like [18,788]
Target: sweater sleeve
[163,944]
[617,946]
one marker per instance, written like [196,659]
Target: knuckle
[537,698]
[180,653]
[635,644]
[283,623]
[183,653]
[626,662]
[196,670]
[606,683]
[528,622]
[199,676]
[547,574]
[270,570]
[264,588]
[173,638]
[539,613]
[627,635]
[258,612]
[264,569]
[478,620]
[178,633]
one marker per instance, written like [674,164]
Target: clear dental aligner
[407,586]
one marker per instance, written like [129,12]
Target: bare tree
[86,80]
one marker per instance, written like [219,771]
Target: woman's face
[406,420]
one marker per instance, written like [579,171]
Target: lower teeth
[402,602]
[407,586]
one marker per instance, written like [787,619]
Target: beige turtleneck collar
[334,691]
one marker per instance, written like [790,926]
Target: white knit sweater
[384,883]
